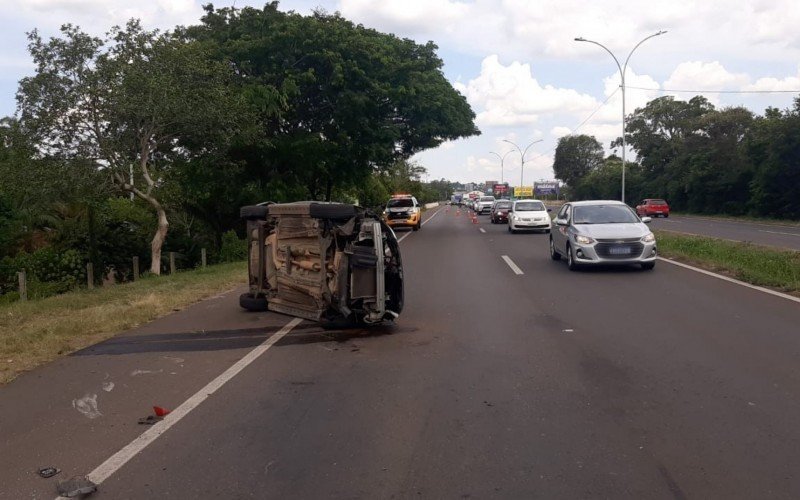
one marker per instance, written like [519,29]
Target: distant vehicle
[484,204]
[323,262]
[602,232]
[403,210]
[528,214]
[456,199]
[653,206]
[499,213]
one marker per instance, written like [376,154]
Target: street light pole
[502,159]
[622,69]
[522,156]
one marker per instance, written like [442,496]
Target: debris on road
[160,412]
[87,405]
[48,472]
[150,420]
[75,486]
[108,386]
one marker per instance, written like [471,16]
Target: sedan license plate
[619,250]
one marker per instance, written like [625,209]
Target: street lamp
[502,158]
[622,70]
[522,155]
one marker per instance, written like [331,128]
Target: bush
[232,249]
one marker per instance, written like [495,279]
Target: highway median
[758,265]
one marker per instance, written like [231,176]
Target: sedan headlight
[648,238]
[585,240]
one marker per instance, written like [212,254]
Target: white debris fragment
[87,405]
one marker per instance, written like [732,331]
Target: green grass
[741,218]
[38,331]
[764,266]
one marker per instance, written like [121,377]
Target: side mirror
[646,220]
[561,222]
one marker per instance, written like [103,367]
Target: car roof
[596,202]
[517,201]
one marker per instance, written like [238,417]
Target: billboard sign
[500,189]
[545,188]
[520,192]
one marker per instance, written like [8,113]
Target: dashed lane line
[511,264]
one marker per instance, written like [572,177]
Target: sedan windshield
[502,205]
[487,198]
[603,214]
[530,206]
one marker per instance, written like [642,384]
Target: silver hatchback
[601,232]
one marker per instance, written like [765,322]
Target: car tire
[257,303]
[571,264]
[666,215]
[416,228]
[511,229]
[254,212]
[553,252]
[647,266]
[332,211]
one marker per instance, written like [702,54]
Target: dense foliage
[145,141]
[701,159]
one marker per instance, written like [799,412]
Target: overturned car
[322,261]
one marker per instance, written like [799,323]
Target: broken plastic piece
[78,485]
[160,412]
[47,472]
[150,420]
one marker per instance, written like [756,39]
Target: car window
[487,198]
[604,214]
[658,202]
[530,206]
[500,204]
[400,202]
[562,214]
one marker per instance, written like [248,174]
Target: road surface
[782,236]
[611,383]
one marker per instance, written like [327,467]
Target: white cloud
[559,132]
[789,83]
[410,16]
[705,75]
[511,96]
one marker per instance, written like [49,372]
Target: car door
[559,233]
[640,208]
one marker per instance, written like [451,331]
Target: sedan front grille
[625,250]
[398,215]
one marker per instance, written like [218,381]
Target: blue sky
[515,60]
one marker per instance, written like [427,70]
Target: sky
[516,61]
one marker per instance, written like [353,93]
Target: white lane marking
[481,229]
[423,223]
[731,280]
[120,458]
[778,232]
[511,264]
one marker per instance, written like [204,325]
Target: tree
[576,156]
[126,105]
[335,100]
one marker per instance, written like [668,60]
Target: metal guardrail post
[135,268]
[90,275]
[172,263]
[203,257]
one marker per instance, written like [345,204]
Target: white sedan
[528,214]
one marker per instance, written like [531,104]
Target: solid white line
[481,229]
[778,232]
[731,280]
[116,461]
[511,264]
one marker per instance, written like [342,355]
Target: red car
[499,211]
[652,207]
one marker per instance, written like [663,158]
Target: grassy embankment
[37,331]
[759,265]
[741,218]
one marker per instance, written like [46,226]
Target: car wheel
[553,252]
[648,265]
[666,215]
[256,303]
[254,212]
[571,264]
[419,225]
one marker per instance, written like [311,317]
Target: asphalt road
[783,236]
[610,383]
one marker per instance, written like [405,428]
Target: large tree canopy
[576,156]
[335,100]
[126,104]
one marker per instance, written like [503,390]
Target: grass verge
[763,266]
[38,331]
[741,218]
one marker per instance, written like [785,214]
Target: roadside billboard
[546,188]
[500,190]
[521,192]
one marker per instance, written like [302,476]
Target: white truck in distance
[484,204]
